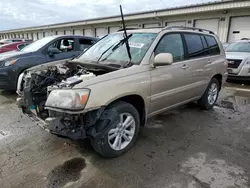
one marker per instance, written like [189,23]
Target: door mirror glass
[53,51]
[163,59]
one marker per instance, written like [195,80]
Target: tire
[105,145]
[208,100]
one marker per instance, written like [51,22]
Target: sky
[27,13]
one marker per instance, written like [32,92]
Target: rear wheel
[210,96]
[121,135]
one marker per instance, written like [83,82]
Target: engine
[36,85]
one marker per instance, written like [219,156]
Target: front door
[66,50]
[170,84]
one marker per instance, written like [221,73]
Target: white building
[230,20]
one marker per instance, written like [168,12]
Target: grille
[234,63]
[2,78]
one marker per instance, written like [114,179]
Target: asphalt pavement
[184,148]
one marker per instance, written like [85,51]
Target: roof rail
[187,28]
[129,28]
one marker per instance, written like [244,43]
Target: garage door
[132,26]
[46,33]
[113,29]
[60,32]
[100,32]
[40,35]
[88,32]
[240,28]
[210,24]
[34,36]
[30,35]
[78,32]
[177,23]
[152,25]
[67,32]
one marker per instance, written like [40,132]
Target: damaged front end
[46,95]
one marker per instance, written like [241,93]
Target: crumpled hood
[13,54]
[237,55]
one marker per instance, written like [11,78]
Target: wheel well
[138,102]
[219,78]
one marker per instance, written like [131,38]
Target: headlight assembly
[70,99]
[8,63]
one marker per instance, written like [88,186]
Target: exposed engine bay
[35,86]
[38,83]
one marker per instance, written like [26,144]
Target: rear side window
[194,45]
[213,45]
[205,46]
[85,43]
[171,43]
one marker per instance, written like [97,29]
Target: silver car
[238,56]
[111,90]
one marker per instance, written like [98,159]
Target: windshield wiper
[114,47]
[121,42]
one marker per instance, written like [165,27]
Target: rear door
[199,62]
[67,48]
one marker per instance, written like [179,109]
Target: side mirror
[53,51]
[163,59]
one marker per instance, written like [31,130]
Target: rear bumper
[240,78]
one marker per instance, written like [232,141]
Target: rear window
[194,45]
[212,45]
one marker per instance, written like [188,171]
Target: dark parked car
[15,46]
[48,49]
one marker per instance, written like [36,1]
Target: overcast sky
[25,13]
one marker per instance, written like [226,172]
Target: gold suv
[112,88]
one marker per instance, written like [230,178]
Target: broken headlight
[70,99]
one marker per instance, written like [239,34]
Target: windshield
[239,47]
[138,42]
[37,44]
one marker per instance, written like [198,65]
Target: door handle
[209,61]
[185,67]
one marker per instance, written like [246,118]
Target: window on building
[171,43]
[213,45]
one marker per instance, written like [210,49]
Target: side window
[194,45]
[204,42]
[63,45]
[21,46]
[213,45]
[85,43]
[171,43]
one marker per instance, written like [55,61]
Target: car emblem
[231,62]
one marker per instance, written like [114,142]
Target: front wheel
[210,96]
[121,135]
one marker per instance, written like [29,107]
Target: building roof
[143,14]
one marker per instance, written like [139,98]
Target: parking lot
[183,148]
